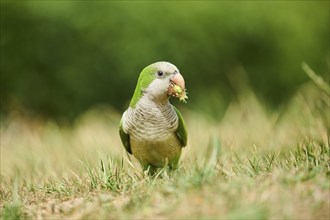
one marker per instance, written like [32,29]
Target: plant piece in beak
[177,88]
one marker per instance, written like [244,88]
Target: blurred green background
[59,58]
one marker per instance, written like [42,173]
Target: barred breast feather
[150,121]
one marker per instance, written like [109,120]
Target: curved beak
[178,80]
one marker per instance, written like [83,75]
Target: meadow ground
[251,164]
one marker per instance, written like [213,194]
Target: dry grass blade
[318,80]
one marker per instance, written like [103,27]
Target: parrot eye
[160,73]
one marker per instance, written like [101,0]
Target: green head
[159,81]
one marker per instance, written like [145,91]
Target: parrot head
[160,80]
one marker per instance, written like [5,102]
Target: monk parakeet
[151,128]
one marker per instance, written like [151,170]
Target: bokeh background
[60,58]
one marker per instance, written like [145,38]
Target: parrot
[152,129]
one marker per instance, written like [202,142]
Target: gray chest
[148,121]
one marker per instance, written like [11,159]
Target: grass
[253,164]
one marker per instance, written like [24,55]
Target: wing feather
[125,139]
[181,131]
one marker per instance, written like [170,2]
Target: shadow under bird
[151,128]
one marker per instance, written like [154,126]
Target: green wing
[124,137]
[181,131]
